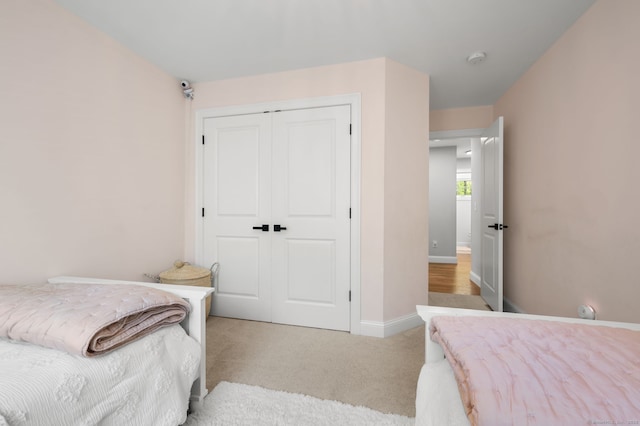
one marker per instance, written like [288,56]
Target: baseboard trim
[509,306]
[443,259]
[475,278]
[389,328]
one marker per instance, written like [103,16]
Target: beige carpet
[377,373]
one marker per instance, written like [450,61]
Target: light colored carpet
[362,371]
[377,373]
[237,404]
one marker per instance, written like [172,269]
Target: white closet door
[289,171]
[310,198]
[237,198]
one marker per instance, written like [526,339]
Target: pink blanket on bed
[85,319]
[524,372]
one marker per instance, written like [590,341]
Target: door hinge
[349,212]
[203,212]
[202,139]
[349,128]
[349,295]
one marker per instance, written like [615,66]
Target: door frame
[460,134]
[354,101]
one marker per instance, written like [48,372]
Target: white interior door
[311,196]
[492,215]
[237,199]
[289,171]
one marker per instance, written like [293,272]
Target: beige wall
[368,79]
[97,151]
[461,118]
[91,152]
[570,154]
[406,190]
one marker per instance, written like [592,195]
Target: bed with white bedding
[118,357]
[490,368]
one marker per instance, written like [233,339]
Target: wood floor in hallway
[453,279]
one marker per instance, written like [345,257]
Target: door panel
[237,197]
[311,197]
[492,216]
[489,278]
[311,266]
[240,276]
[238,162]
[311,169]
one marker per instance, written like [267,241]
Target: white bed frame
[193,324]
[433,352]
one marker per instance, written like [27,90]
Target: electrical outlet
[586,312]
[434,244]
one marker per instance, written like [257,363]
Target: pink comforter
[85,319]
[524,372]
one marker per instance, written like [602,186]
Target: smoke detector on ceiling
[476,58]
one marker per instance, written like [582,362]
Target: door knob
[264,228]
[278,228]
[498,226]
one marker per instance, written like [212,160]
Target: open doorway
[487,227]
[453,216]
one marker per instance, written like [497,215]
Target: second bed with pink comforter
[515,371]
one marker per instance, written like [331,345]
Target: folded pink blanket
[86,320]
[525,372]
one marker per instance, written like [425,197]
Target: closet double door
[277,215]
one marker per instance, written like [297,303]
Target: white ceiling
[462,145]
[203,40]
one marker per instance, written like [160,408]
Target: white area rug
[236,404]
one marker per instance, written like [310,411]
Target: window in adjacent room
[464,187]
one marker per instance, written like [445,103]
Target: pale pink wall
[364,77]
[406,188]
[571,151]
[91,152]
[461,118]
